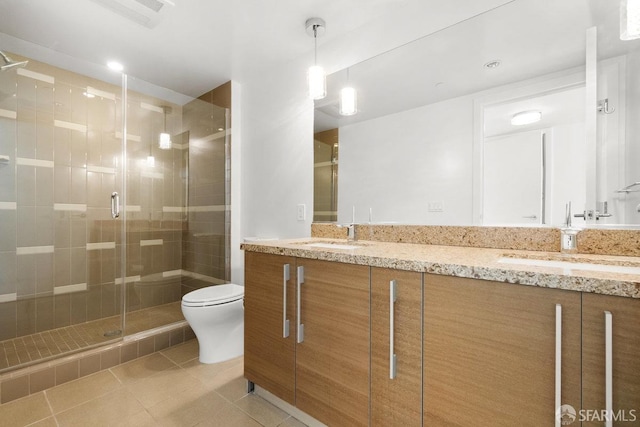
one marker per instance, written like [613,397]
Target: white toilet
[216,315]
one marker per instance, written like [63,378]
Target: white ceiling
[198,44]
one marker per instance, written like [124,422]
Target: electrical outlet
[301,212]
[437,206]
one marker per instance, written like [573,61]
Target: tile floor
[43,345]
[167,388]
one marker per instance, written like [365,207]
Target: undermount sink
[333,245]
[577,264]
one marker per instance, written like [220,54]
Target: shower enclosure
[113,204]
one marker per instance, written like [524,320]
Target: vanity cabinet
[611,334]
[332,354]
[324,369]
[269,302]
[490,352]
[396,348]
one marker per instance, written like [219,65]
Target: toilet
[216,315]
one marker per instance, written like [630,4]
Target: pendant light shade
[164,141]
[348,101]
[317,82]
[629,19]
[316,76]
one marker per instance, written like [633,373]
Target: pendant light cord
[315,45]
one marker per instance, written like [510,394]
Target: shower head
[9,63]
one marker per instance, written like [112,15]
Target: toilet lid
[213,295]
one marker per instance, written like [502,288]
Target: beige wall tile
[110,358]
[129,352]
[89,365]
[67,372]
[14,388]
[42,380]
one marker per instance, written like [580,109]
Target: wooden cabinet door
[396,401]
[625,358]
[332,361]
[489,352]
[269,355]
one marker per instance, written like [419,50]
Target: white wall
[277,154]
[399,163]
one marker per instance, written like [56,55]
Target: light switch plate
[437,206]
[301,212]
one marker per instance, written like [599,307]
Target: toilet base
[221,350]
[219,330]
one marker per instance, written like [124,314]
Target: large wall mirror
[438,138]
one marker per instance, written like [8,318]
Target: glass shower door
[59,162]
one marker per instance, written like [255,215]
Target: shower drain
[113,333]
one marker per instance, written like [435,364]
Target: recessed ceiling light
[526,117]
[115,66]
[492,64]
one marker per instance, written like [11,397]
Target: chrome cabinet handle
[558,400]
[115,205]
[608,371]
[393,297]
[286,276]
[530,216]
[300,326]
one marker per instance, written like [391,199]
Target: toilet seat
[213,295]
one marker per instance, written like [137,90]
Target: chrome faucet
[351,230]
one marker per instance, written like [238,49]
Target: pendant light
[316,76]
[629,19]
[348,99]
[164,141]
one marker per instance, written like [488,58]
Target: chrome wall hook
[603,107]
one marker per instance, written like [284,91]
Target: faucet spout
[351,230]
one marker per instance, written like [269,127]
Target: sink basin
[570,265]
[330,245]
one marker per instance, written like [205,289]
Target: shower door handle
[299,325]
[286,276]
[115,205]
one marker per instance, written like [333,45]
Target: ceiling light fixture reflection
[526,117]
[115,66]
[316,76]
[348,99]
[164,143]
[88,95]
[629,19]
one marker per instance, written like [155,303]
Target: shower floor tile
[40,346]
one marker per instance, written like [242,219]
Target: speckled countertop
[477,263]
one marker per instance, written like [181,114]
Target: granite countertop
[580,272]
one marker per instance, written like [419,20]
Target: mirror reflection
[436,140]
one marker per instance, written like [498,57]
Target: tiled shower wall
[59,248]
[206,235]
